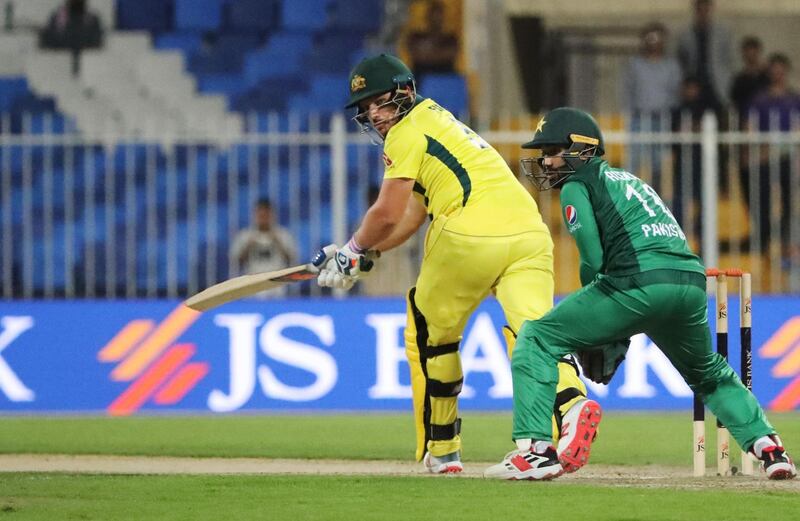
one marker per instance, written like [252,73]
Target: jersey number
[632,192]
[475,139]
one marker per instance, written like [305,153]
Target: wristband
[354,247]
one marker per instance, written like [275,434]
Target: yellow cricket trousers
[458,271]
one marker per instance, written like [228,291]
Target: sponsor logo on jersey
[571,214]
[386,160]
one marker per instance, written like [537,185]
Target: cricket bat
[247,285]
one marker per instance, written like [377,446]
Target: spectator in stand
[266,246]
[705,51]
[687,160]
[432,50]
[72,27]
[776,108]
[651,89]
[753,77]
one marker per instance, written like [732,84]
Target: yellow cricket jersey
[458,175]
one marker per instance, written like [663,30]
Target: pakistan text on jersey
[662,230]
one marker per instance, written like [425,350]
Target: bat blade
[247,285]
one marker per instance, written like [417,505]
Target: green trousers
[670,307]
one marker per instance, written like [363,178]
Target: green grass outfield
[632,439]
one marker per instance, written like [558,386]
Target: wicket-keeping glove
[600,363]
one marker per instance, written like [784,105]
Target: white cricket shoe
[578,430]
[527,463]
[447,464]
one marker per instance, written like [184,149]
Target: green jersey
[620,224]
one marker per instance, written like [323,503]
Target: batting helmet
[376,75]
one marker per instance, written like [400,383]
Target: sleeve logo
[386,160]
[571,214]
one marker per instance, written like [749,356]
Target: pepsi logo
[571,214]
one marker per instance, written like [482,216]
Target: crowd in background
[669,85]
[679,87]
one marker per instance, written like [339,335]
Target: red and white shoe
[527,464]
[578,430]
[774,460]
[447,464]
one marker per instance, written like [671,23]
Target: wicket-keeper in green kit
[638,276]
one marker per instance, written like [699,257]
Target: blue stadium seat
[55,267]
[212,251]
[448,90]
[280,121]
[358,55]
[332,50]
[261,15]
[270,94]
[331,90]
[282,56]
[148,15]
[40,119]
[303,104]
[231,85]
[31,103]
[104,266]
[364,157]
[305,14]
[51,123]
[50,195]
[225,55]
[356,203]
[12,89]
[218,231]
[152,262]
[16,203]
[187,42]
[15,261]
[302,238]
[239,42]
[355,14]
[202,15]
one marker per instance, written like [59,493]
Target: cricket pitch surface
[650,476]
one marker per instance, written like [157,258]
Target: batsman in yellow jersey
[485,236]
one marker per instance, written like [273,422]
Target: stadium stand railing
[134,218]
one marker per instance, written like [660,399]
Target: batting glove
[331,278]
[328,276]
[348,264]
[352,260]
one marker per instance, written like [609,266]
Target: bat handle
[322,256]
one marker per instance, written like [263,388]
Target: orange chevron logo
[785,344]
[156,366]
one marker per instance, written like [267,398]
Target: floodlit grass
[91,497]
[625,438]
